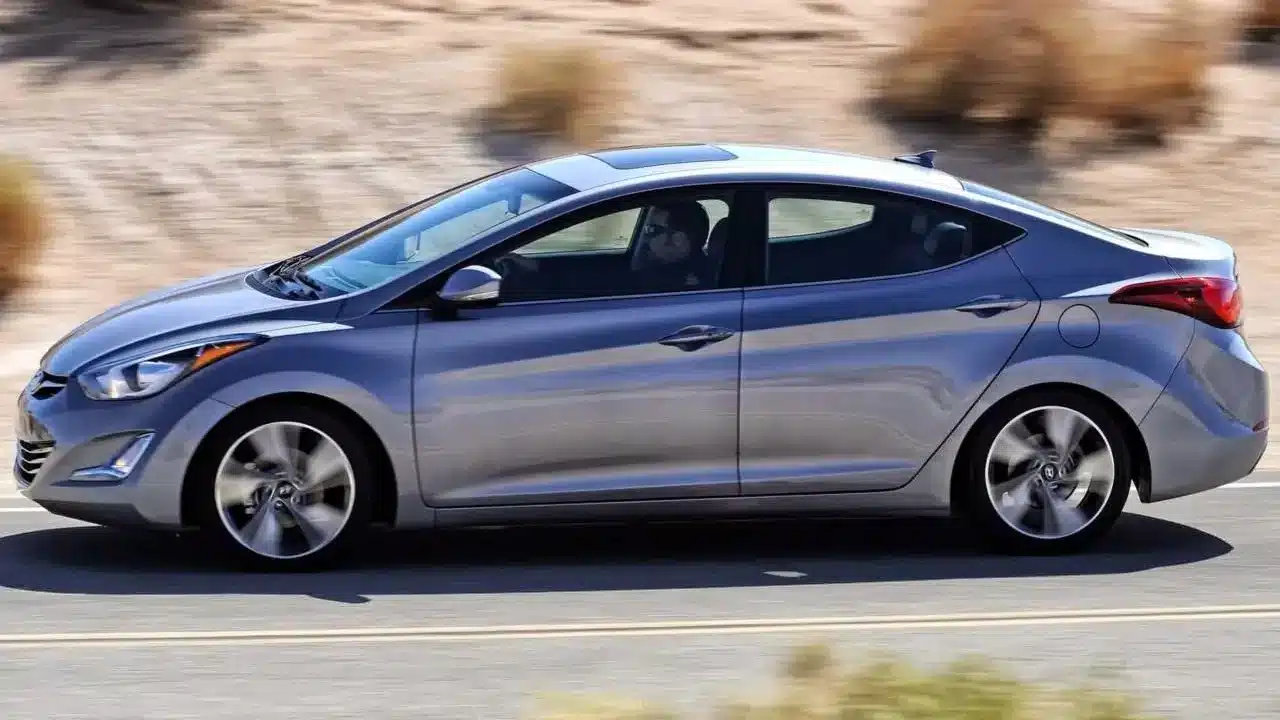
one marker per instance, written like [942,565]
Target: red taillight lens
[1212,300]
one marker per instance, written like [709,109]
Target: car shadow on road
[92,560]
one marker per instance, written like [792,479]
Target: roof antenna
[923,158]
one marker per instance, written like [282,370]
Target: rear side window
[792,218]
[825,235]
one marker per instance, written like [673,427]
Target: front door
[880,321]
[608,371]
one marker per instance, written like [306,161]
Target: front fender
[391,426]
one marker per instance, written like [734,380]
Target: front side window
[832,234]
[670,245]
[606,234]
[431,230]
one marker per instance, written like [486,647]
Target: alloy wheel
[1050,472]
[285,490]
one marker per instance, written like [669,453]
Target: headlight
[139,378]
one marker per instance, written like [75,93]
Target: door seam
[742,339]
[977,401]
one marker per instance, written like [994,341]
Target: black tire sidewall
[977,509]
[219,539]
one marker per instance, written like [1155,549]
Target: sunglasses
[651,230]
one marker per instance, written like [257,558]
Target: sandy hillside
[175,145]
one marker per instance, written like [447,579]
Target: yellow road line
[625,629]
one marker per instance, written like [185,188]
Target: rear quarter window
[1066,218]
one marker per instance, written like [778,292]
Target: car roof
[588,170]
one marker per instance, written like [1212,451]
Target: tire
[989,492]
[311,529]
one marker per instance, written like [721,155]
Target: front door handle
[694,337]
[989,305]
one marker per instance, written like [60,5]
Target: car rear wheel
[288,488]
[1047,473]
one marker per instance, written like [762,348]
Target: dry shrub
[1158,81]
[23,224]
[1003,62]
[1022,65]
[569,93]
[1264,14]
[814,685]
[1262,20]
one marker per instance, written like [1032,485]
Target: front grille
[30,458]
[46,385]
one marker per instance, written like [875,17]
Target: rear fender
[1132,359]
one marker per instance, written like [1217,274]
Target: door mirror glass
[472,285]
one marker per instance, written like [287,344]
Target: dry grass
[815,686]
[568,93]
[1023,65]
[23,224]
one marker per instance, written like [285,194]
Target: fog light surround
[120,466]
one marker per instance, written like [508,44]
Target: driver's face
[665,244]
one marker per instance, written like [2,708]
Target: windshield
[1062,216]
[428,231]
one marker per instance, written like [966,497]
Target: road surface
[1184,600]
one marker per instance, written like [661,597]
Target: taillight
[1212,300]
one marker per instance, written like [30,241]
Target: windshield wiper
[291,270]
[301,277]
[289,265]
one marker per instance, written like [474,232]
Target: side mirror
[472,285]
[412,245]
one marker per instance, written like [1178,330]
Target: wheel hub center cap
[1050,473]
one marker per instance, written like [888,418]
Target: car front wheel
[1047,473]
[288,488]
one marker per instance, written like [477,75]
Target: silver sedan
[679,330]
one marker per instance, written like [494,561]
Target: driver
[669,255]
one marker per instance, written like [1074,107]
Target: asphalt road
[474,624]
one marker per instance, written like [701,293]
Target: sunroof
[632,158]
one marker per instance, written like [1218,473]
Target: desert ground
[172,144]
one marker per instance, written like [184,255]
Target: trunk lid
[1189,254]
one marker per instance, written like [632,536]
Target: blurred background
[149,141]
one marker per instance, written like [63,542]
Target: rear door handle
[694,337]
[989,305]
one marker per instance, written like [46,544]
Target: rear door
[876,323]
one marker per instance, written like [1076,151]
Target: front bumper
[1210,425]
[61,434]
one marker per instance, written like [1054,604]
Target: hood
[177,311]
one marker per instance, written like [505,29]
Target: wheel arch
[1140,460]
[384,477]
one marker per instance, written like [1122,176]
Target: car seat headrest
[948,241]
